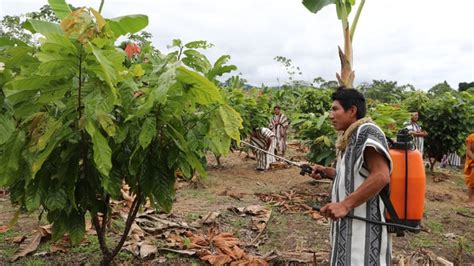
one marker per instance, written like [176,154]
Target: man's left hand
[334,210]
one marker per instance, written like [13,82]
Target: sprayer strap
[385,195]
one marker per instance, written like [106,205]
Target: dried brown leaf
[58,248]
[220,259]
[4,228]
[28,246]
[147,249]
[16,240]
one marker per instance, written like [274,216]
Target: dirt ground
[292,235]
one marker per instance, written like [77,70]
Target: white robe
[356,242]
[261,140]
[419,141]
[280,130]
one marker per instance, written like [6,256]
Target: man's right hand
[320,172]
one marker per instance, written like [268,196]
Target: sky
[418,42]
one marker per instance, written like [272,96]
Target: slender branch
[101,5]
[100,236]
[130,219]
[180,52]
[79,89]
[356,18]
[105,214]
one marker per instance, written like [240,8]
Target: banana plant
[343,9]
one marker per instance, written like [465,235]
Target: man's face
[414,117]
[341,119]
[276,111]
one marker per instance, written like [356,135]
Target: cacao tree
[448,119]
[79,122]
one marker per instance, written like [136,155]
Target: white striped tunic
[419,141]
[356,242]
[451,159]
[261,140]
[279,126]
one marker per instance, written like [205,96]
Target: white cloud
[420,42]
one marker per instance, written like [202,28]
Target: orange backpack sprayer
[404,197]
[404,203]
[407,183]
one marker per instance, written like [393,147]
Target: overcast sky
[420,42]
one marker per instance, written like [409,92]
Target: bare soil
[292,232]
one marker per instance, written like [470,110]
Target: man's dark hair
[277,107]
[350,97]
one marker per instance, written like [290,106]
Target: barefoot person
[469,170]
[363,168]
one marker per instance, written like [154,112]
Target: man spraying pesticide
[307,169]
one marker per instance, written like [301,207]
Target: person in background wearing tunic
[264,139]
[279,126]
[469,170]
[415,129]
[363,169]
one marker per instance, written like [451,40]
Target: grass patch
[191,217]
[239,222]
[422,242]
[7,249]
[33,262]
[91,247]
[203,195]
[436,227]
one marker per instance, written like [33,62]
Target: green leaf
[7,127]
[22,83]
[219,141]
[148,132]
[32,198]
[60,8]
[58,226]
[43,140]
[40,158]
[232,121]
[321,119]
[163,191]
[102,151]
[43,27]
[106,122]
[177,138]
[195,163]
[198,44]
[316,5]
[219,69]
[144,108]
[56,199]
[76,226]
[197,61]
[137,70]
[203,91]
[343,8]
[128,24]
[8,43]
[10,158]
[58,43]
[108,73]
